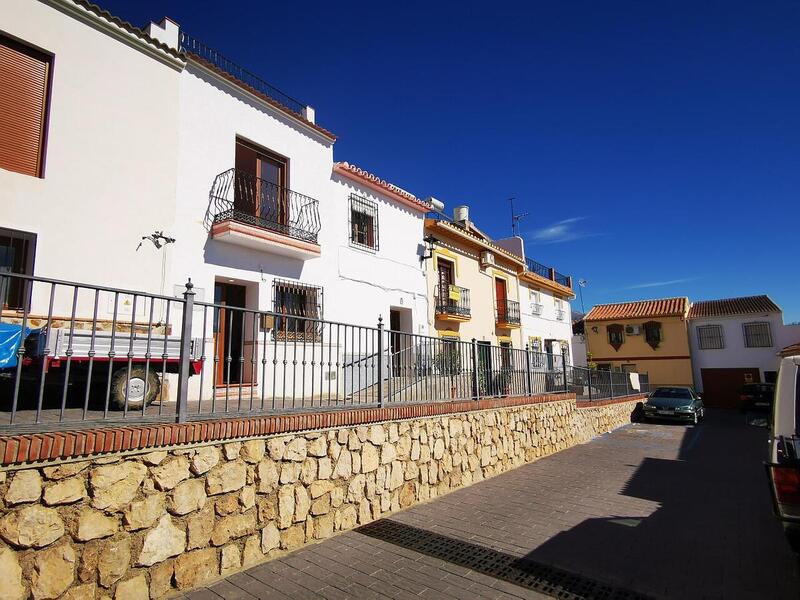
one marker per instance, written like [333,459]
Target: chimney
[309,114]
[461,214]
[167,32]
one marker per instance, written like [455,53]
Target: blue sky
[655,146]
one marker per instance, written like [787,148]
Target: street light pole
[582,283]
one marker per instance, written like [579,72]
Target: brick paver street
[665,511]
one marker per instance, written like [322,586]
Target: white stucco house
[736,341]
[545,295]
[88,146]
[131,134]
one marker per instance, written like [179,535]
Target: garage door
[721,386]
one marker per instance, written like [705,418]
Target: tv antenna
[515,218]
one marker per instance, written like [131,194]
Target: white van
[783,466]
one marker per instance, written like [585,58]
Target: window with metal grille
[25,73]
[17,250]
[616,337]
[710,337]
[363,222]
[302,305]
[757,335]
[653,334]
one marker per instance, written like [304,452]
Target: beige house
[472,284]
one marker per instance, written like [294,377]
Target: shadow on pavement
[713,534]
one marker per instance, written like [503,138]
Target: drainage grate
[523,572]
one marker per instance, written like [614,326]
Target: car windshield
[681,393]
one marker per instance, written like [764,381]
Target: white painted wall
[579,350]
[544,325]
[111,155]
[359,286]
[734,354]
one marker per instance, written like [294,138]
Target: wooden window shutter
[23,107]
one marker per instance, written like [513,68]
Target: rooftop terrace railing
[77,355]
[193,46]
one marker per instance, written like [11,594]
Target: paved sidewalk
[660,511]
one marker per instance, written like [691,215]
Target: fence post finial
[186,351]
[380,360]
[476,390]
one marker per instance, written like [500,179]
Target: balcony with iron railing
[560,314]
[193,46]
[452,303]
[507,315]
[548,273]
[246,210]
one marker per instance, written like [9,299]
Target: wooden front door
[229,333]
[445,269]
[500,294]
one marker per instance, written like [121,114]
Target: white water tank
[461,213]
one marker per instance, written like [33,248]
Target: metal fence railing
[194,46]
[239,196]
[74,354]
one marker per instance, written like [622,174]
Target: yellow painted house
[649,336]
[472,284]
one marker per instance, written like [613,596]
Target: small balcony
[548,273]
[249,211]
[507,315]
[452,303]
[560,314]
[536,308]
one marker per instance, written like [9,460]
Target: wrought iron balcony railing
[560,314]
[548,273]
[508,312]
[452,300]
[241,197]
[538,268]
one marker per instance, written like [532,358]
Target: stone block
[171,473]
[25,486]
[196,567]
[114,561]
[164,541]
[142,514]
[65,491]
[114,486]
[93,524]
[11,576]
[205,459]
[53,572]
[32,526]
[187,496]
[233,527]
[226,477]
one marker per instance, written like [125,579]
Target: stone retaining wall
[138,526]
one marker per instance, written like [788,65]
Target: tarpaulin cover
[11,336]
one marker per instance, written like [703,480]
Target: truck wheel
[140,379]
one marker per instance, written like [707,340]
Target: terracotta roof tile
[664,307]
[355,172]
[733,306]
[792,350]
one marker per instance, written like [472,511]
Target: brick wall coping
[607,401]
[62,445]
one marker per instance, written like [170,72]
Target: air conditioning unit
[487,259]
[633,330]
